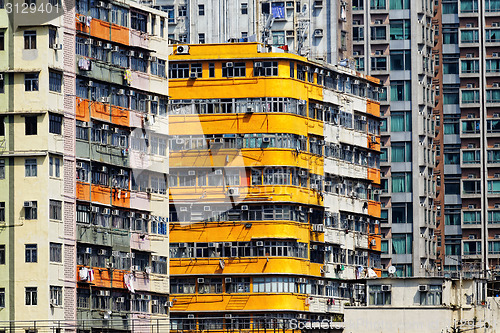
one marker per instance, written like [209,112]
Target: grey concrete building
[406,305]
[393,41]
[318,29]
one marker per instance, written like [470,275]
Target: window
[377,4]
[452,185]
[378,33]
[54,167]
[31,253]
[30,210]
[31,82]
[30,39]
[400,60]
[401,182]
[358,33]
[52,37]
[450,63]
[379,63]
[2,40]
[400,121]
[265,68]
[452,214]
[201,38]
[357,4]
[210,286]
[244,8]
[377,296]
[432,296]
[2,169]
[450,33]
[55,81]
[2,90]
[30,167]
[138,21]
[469,36]
[238,285]
[55,123]
[211,70]
[178,71]
[402,213]
[31,295]
[402,243]
[450,6]
[399,4]
[469,6]
[55,210]
[182,10]
[2,297]
[30,125]
[55,295]
[236,69]
[2,254]
[278,38]
[201,10]
[401,152]
[55,252]
[2,211]
[400,91]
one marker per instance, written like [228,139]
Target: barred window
[55,81]
[55,252]
[55,210]
[55,123]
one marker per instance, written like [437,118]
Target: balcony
[471,128]
[493,97]
[469,67]
[469,38]
[492,37]
[471,188]
[471,158]
[494,188]
[469,98]
[468,8]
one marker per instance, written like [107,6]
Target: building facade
[467,107]
[400,304]
[393,41]
[274,186]
[83,208]
[316,29]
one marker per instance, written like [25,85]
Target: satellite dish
[392,270]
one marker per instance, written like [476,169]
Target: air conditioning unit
[120,300]
[201,280]
[56,46]
[170,304]
[120,92]
[106,211]
[28,204]
[266,139]
[135,267]
[469,55]
[228,280]
[102,252]
[496,85]
[82,19]
[471,206]
[193,75]
[324,269]
[182,49]
[190,316]
[471,145]
[496,206]
[373,242]
[468,25]
[218,140]
[115,212]
[355,82]
[154,302]
[378,52]
[496,145]
[497,236]
[496,175]
[206,208]
[343,285]
[88,250]
[229,64]
[233,191]
[104,99]
[494,24]
[314,186]
[258,64]
[179,141]
[494,54]
[191,173]
[470,85]
[115,49]
[259,243]
[472,236]
[94,209]
[386,287]
[423,288]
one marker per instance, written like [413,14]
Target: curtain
[494,247]
[494,216]
[408,182]
[492,65]
[398,154]
[470,96]
[468,6]
[469,157]
[493,96]
[471,218]
[398,183]
[398,245]
[396,30]
[494,186]
[397,121]
[452,219]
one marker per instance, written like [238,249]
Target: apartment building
[467,49]
[274,188]
[83,168]
[316,29]
[393,41]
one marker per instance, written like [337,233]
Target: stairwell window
[31,253]
[31,82]
[30,167]
[31,294]
[30,39]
